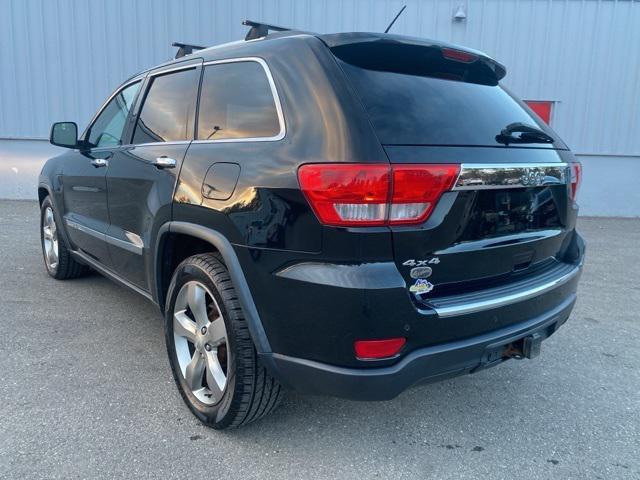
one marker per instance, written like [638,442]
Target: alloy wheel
[50,239]
[201,342]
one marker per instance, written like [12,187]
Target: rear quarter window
[237,102]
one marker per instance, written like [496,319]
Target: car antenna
[394,19]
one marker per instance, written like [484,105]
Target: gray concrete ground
[86,391]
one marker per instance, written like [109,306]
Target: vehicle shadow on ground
[432,404]
[442,406]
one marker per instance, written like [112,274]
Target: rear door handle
[99,162]
[164,162]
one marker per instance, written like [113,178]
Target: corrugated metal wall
[61,58]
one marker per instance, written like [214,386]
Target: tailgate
[500,223]
[509,214]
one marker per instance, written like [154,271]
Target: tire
[57,255]
[198,355]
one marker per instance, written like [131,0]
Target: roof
[335,40]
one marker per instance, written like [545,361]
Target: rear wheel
[57,256]
[214,361]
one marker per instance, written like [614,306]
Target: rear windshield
[409,106]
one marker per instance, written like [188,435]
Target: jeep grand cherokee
[345,214]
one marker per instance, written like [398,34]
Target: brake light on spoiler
[458,55]
[359,195]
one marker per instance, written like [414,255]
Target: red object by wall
[542,108]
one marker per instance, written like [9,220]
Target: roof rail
[185,49]
[259,29]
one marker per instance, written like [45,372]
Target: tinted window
[236,102]
[107,129]
[168,110]
[408,107]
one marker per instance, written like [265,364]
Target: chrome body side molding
[135,245]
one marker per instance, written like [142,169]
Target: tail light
[352,195]
[417,189]
[576,179]
[347,194]
[375,349]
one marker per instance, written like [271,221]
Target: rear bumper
[419,366]
[510,294]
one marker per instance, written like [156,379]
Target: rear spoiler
[342,42]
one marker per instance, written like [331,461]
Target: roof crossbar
[259,29]
[185,49]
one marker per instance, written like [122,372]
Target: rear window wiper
[528,134]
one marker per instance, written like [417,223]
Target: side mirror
[64,134]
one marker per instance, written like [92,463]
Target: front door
[84,185]
[84,193]
[142,176]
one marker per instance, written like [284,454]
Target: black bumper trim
[420,366]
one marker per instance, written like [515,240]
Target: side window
[107,129]
[236,102]
[168,110]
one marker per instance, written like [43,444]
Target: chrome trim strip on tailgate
[486,176]
[448,308]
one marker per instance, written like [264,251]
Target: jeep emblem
[532,177]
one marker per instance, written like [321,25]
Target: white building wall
[62,58]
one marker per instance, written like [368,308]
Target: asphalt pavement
[86,391]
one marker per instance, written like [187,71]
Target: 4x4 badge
[421,263]
[421,286]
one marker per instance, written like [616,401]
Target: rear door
[142,175]
[509,211]
[84,177]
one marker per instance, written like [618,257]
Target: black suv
[345,214]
